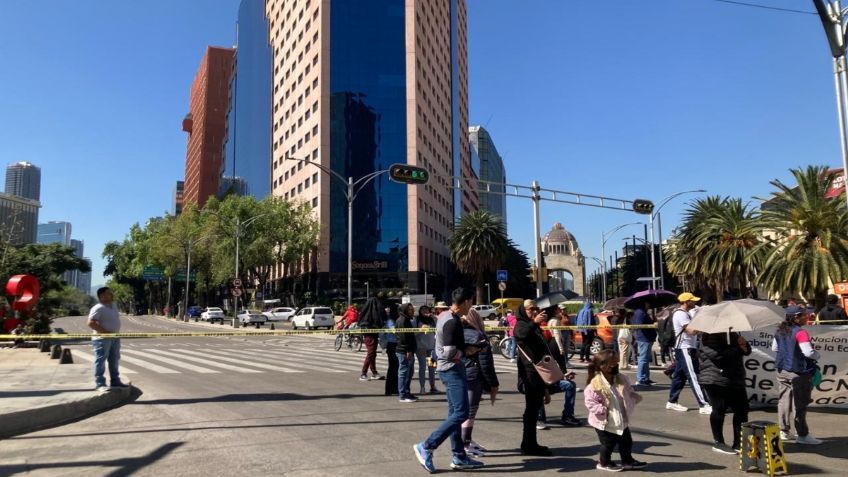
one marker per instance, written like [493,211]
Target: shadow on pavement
[256,398]
[52,392]
[126,466]
[540,465]
[831,447]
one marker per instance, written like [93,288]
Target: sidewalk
[38,392]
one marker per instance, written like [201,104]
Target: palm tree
[718,246]
[478,244]
[810,250]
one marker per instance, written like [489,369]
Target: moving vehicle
[486,312]
[212,314]
[504,304]
[279,314]
[312,317]
[246,317]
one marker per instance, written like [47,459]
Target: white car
[486,312]
[313,317]
[212,314]
[251,318]
[279,314]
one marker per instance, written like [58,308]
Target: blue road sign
[502,275]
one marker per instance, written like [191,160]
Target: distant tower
[562,254]
[23,179]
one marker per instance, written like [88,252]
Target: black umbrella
[615,303]
[656,299]
[555,298]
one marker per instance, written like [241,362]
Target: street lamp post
[604,237]
[654,214]
[189,245]
[489,293]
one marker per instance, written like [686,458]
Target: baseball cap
[440,304]
[528,303]
[795,310]
[686,296]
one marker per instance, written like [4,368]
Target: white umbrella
[737,315]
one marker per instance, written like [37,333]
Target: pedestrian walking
[532,348]
[645,338]
[450,348]
[686,357]
[104,318]
[586,318]
[388,343]
[611,400]
[559,339]
[566,385]
[405,351]
[425,344]
[624,340]
[480,374]
[796,365]
[511,320]
[371,318]
[832,313]
[723,377]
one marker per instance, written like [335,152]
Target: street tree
[479,244]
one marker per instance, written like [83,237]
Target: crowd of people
[459,351]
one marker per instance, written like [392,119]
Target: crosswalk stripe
[173,362]
[338,360]
[88,357]
[314,364]
[205,361]
[252,363]
[144,364]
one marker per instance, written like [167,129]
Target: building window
[315,203]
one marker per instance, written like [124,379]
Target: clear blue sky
[637,99]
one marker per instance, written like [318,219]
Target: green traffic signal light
[406,174]
[642,206]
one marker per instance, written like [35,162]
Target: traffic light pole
[537,239]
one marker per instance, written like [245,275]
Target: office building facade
[23,179]
[55,232]
[178,198]
[358,86]
[247,152]
[490,167]
[206,125]
[18,219]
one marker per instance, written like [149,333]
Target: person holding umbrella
[686,357]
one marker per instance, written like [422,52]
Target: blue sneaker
[425,457]
[465,464]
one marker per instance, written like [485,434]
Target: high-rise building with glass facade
[206,125]
[55,232]
[18,219]
[23,179]
[247,152]
[358,86]
[490,168]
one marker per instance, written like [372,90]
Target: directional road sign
[502,275]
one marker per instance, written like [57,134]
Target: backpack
[665,332]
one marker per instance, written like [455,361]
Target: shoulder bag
[547,368]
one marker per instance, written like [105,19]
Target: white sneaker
[475,445]
[785,436]
[103,389]
[808,439]
[673,406]
[542,426]
[706,410]
[512,360]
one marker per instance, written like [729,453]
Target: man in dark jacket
[722,374]
[371,318]
[645,338]
[832,313]
[531,348]
[406,347]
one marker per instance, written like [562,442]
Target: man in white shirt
[104,318]
[686,357]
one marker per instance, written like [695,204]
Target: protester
[372,318]
[611,400]
[625,338]
[511,320]
[832,313]
[586,318]
[532,348]
[796,365]
[565,386]
[425,344]
[723,377]
[450,348]
[686,357]
[645,338]
[480,374]
[388,342]
[104,318]
[558,341]
[405,351]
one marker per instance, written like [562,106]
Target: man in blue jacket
[645,338]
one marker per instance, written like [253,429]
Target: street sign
[502,286]
[237,282]
[502,274]
[181,276]
[236,292]
[152,272]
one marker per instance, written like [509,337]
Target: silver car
[251,317]
[313,317]
[212,314]
[279,314]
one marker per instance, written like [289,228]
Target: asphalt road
[293,406]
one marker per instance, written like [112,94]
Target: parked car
[604,335]
[195,312]
[313,317]
[279,314]
[486,312]
[247,317]
[212,314]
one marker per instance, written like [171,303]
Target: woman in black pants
[722,375]
[531,344]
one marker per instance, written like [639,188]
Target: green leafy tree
[479,244]
[810,250]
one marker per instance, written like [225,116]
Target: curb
[30,420]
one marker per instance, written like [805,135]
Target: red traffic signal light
[642,206]
[406,174]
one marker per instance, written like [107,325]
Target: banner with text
[830,341]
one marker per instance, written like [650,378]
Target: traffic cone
[56,352]
[66,357]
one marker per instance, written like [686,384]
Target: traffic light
[642,206]
[406,174]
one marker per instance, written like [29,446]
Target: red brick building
[206,124]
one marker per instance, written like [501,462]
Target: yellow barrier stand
[762,448]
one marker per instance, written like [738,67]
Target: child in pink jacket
[611,400]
